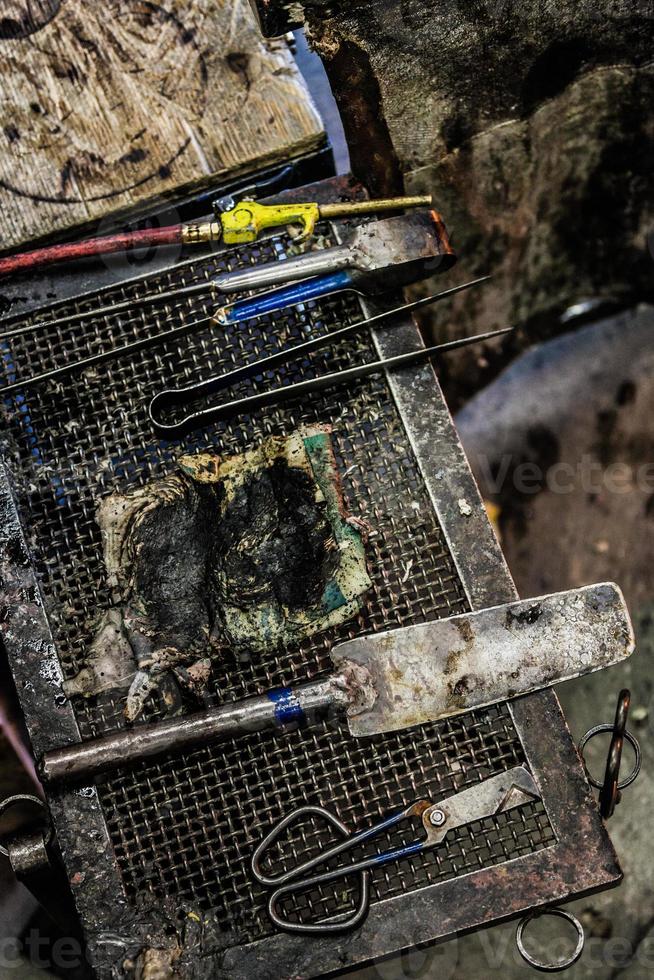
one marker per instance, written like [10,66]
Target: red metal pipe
[40,257]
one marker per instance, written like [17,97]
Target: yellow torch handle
[247,219]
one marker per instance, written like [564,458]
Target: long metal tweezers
[172,397]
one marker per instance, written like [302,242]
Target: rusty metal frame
[583,854]
[582,860]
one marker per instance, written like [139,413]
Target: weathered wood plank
[107,105]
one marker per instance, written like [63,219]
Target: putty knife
[400,678]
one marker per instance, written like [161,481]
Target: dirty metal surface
[438,669]
[158,855]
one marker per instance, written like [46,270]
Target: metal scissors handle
[498,794]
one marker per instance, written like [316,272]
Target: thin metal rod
[265,363]
[270,397]
[346,208]
[352,374]
[179,396]
[174,332]
[103,356]
[111,309]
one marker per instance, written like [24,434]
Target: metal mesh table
[160,852]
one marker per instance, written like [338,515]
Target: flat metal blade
[430,671]
[498,794]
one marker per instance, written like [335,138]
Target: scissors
[505,791]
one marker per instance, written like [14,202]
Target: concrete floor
[580,410]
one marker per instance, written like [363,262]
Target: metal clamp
[560,965]
[610,788]
[502,792]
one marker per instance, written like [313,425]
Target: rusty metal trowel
[402,677]
[422,673]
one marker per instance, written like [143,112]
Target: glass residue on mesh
[228,557]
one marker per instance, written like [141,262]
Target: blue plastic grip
[402,852]
[278,299]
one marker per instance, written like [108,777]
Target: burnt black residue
[271,544]
[239,63]
[172,548]
[606,233]
[554,69]
[456,130]
[526,476]
[526,617]
[136,155]
[606,422]
[273,541]
[626,393]
[462,686]
[543,446]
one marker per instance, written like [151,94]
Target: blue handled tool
[165,402]
[380,256]
[279,299]
[505,791]
[377,257]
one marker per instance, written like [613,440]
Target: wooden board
[106,105]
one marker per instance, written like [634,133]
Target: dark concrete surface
[577,415]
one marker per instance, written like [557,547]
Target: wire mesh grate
[187,830]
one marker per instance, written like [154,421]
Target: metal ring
[633,742]
[10,801]
[550,967]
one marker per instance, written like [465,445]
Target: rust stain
[465,629]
